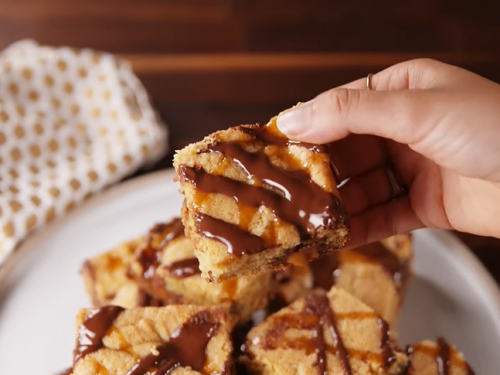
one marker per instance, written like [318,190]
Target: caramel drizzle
[186,348]
[326,268]
[238,241]
[93,329]
[318,314]
[253,196]
[443,355]
[309,207]
[150,256]
[320,305]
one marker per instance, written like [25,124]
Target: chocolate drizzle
[183,268]
[150,256]
[305,204]
[93,329]
[443,357]
[326,268]
[388,355]
[238,241]
[320,305]
[185,348]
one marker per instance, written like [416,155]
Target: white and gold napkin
[71,123]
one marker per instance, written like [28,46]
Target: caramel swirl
[93,329]
[186,348]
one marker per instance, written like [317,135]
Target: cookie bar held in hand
[256,201]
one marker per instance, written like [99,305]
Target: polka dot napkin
[71,123]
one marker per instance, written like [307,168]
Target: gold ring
[369,82]
[396,185]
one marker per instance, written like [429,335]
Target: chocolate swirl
[186,348]
[150,256]
[93,329]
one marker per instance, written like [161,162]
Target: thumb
[401,115]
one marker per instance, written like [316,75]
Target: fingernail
[292,122]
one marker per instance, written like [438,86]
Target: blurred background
[211,64]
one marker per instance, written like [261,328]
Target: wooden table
[211,64]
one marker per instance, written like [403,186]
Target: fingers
[383,221]
[348,159]
[397,108]
[402,116]
[366,190]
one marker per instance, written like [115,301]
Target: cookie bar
[152,340]
[377,273]
[436,358]
[257,201]
[165,267]
[324,333]
[106,281]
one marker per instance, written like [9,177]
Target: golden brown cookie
[106,280]
[152,340]
[377,273]
[324,333]
[165,267]
[436,358]
[257,201]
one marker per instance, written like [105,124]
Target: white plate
[452,295]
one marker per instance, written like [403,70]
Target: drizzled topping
[442,354]
[388,354]
[291,195]
[184,268]
[327,268]
[318,317]
[186,348]
[150,256]
[93,329]
[320,305]
[238,242]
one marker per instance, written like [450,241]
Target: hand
[439,127]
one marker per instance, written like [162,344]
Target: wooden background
[211,64]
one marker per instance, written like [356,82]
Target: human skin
[439,127]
